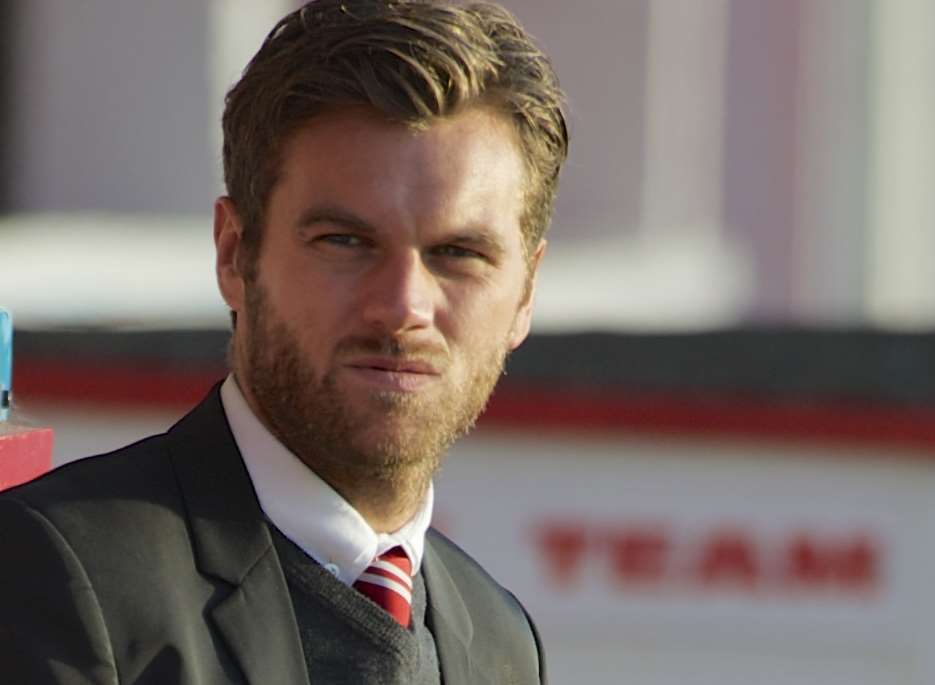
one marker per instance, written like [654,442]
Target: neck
[384,509]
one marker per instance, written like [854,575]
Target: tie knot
[398,559]
[388,582]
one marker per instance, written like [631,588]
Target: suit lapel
[448,619]
[232,543]
[258,623]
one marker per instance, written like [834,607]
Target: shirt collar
[309,511]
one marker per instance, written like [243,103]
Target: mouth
[391,365]
[386,373]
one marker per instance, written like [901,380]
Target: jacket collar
[232,543]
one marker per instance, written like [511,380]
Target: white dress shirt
[309,511]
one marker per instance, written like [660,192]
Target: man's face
[390,285]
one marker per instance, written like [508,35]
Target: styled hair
[413,61]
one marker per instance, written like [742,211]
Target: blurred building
[779,153]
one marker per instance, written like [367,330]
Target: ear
[228,233]
[524,313]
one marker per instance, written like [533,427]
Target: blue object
[6,364]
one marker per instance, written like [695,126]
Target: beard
[383,449]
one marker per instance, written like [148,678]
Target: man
[391,167]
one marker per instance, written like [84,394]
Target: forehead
[476,130]
[468,164]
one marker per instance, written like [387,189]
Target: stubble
[383,451]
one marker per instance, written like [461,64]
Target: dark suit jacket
[154,564]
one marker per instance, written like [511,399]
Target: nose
[401,294]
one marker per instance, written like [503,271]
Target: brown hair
[412,60]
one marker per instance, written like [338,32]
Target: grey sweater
[347,638]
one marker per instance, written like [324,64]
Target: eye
[457,252]
[340,240]
[341,247]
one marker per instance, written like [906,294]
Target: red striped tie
[388,582]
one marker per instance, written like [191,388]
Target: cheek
[296,289]
[305,310]
[479,323]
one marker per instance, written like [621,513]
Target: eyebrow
[329,214]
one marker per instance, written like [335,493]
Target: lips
[392,375]
[391,365]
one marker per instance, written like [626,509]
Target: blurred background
[713,460]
